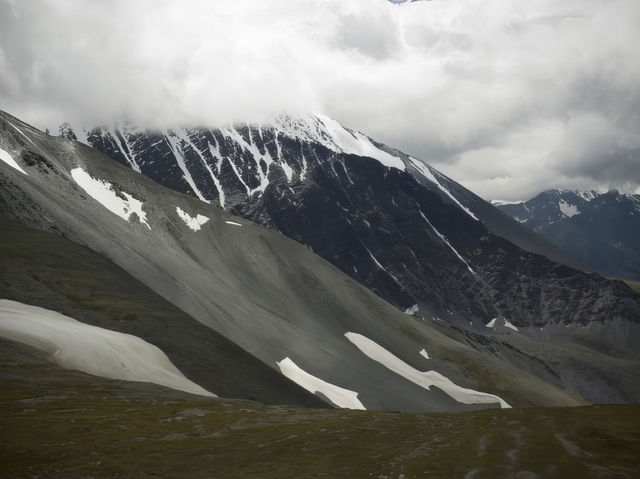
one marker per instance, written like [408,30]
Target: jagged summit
[265,144]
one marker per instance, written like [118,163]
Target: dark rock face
[409,233]
[34,265]
[600,229]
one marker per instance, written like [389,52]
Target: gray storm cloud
[507,97]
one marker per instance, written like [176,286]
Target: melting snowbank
[8,159]
[94,350]
[492,324]
[123,205]
[426,379]
[412,310]
[341,397]
[193,222]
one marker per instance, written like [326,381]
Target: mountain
[396,225]
[276,302]
[267,294]
[600,229]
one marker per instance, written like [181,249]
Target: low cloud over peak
[508,97]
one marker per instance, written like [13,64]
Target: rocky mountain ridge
[601,229]
[400,227]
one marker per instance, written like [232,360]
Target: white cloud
[491,92]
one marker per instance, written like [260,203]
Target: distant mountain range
[601,230]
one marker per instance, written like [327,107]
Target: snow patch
[510,325]
[412,310]
[568,209]
[8,159]
[123,204]
[425,379]
[193,222]
[507,324]
[233,223]
[94,350]
[341,397]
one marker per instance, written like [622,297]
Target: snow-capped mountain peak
[600,227]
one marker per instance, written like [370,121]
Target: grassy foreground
[57,423]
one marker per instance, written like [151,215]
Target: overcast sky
[507,97]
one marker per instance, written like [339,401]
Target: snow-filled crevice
[377,263]
[217,155]
[128,153]
[176,149]
[426,172]
[184,136]
[446,242]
